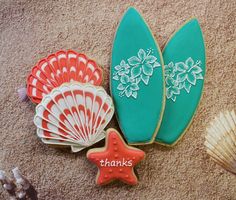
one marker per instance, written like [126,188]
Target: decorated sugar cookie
[185,65]
[116,160]
[74,115]
[137,83]
[59,68]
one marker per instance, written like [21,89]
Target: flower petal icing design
[151,59]
[189,62]
[133,61]
[137,69]
[147,69]
[181,76]
[141,54]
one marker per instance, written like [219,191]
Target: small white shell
[221,140]
[74,114]
[22,94]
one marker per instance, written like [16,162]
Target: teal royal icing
[184,58]
[137,82]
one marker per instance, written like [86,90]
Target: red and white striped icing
[59,68]
[74,114]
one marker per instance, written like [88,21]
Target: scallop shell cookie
[74,115]
[137,82]
[185,65]
[58,68]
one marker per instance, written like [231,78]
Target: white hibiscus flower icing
[181,75]
[139,68]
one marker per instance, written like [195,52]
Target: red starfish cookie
[116,160]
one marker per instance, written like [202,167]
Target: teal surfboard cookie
[185,65]
[137,80]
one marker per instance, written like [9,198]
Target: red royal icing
[116,160]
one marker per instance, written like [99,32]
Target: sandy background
[30,30]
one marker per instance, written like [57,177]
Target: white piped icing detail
[139,69]
[181,76]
